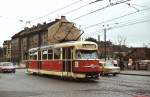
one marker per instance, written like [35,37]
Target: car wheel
[105,74]
[14,71]
[2,71]
[101,74]
[114,74]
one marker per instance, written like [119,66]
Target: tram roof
[64,44]
[72,43]
[34,49]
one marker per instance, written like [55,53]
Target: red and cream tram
[74,59]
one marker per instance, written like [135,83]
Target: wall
[15,52]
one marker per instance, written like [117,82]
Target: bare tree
[121,40]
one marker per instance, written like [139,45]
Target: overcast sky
[15,14]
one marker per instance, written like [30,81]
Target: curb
[134,74]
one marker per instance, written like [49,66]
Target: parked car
[108,68]
[7,67]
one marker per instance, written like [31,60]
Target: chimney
[63,17]
[44,23]
[57,19]
[25,28]
[99,38]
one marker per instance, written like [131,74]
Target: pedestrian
[130,62]
[115,62]
[121,65]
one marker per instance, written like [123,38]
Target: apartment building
[60,30]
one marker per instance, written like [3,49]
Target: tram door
[39,62]
[67,59]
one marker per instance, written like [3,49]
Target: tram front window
[86,54]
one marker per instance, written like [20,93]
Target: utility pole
[105,43]
[105,50]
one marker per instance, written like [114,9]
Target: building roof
[34,29]
[6,42]
[142,52]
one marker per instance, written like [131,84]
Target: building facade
[60,30]
[1,54]
[141,53]
[7,50]
[105,49]
[140,57]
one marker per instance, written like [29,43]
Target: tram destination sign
[90,46]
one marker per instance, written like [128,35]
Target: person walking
[130,63]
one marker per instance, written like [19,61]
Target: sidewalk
[135,72]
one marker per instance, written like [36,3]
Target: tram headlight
[76,64]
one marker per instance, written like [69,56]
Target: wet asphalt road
[24,85]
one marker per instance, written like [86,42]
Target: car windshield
[7,64]
[86,54]
[109,64]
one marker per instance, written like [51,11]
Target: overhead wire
[132,20]
[73,9]
[126,23]
[69,5]
[123,1]
[109,5]
[90,12]
[81,7]
[138,5]
[57,10]
[5,17]
[122,16]
[132,6]
[123,25]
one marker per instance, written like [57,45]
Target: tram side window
[57,53]
[50,54]
[44,54]
[33,56]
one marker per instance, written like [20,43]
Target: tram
[74,59]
